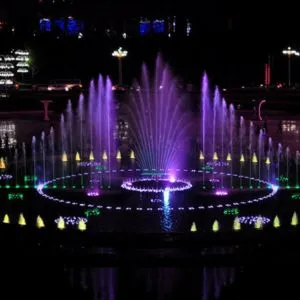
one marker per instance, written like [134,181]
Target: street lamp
[120,54]
[290,52]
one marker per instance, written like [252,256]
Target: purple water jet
[158,122]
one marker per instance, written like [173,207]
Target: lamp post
[290,52]
[120,54]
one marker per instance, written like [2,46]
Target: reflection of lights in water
[8,134]
[166,218]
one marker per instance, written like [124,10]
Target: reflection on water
[8,134]
[150,283]
[166,222]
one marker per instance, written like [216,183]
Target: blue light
[158,26]
[166,195]
[144,27]
[45,25]
[59,24]
[74,27]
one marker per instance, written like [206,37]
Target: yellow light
[258,223]
[2,163]
[236,224]
[104,156]
[119,156]
[201,156]
[228,158]
[81,225]
[61,224]
[276,222]
[91,158]
[215,156]
[294,221]
[6,219]
[193,227]
[77,156]
[254,158]
[242,159]
[132,155]
[215,226]
[39,222]
[21,221]
[64,157]
[268,162]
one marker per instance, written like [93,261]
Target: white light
[289,51]
[22,70]
[120,53]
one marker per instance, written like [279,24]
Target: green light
[241,187]
[251,187]
[64,187]
[7,186]
[92,212]
[55,186]
[258,186]
[35,186]
[296,196]
[15,196]
[17,186]
[231,211]
[297,186]
[30,178]
[288,187]
[74,187]
[26,186]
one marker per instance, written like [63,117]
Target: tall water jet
[279,154]
[260,151]
[16,165]
[33,149]
[287,154]
[52,146]
[205,104]
[250,151]
[24,158]
[81,116]
[241,139]
[70,130]
[215,116]
[297,168]
[269,158]
[232,134]
[223,127]
[158,122]
[43,152]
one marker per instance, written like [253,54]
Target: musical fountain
[81,163]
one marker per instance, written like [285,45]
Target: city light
[120,53]
[289,52]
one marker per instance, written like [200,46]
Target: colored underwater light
[231,211]
[178,185]
[214,180]
[221,193]
[92,212]
[71,220]
[251,220]
[40,189]
[15,196]
[5,176]
[296,196]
